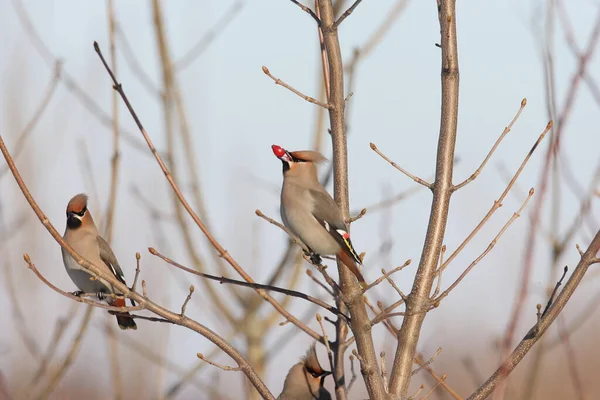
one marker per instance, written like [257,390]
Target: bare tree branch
[399,168]
[494,147]
[95,270]
[346,14]
[536,332]
[418,299]
[361,325]
[222,279]
[291,89]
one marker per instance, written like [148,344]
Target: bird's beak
[325,373]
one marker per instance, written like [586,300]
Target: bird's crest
[78,203]
[311,362]
[309,155]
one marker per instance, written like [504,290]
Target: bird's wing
[329,216]
[107,255]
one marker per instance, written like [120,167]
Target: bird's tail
[124,320]
[352,266]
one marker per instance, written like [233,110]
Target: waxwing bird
[305,379]
[309,211]
[83,236]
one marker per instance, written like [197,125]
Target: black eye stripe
[82,212]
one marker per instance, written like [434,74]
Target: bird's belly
[81,278]
[313,235]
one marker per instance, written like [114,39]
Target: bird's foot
[78,293]
[101,296]
[315,258]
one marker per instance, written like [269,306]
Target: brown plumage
[81,234]
[310,212]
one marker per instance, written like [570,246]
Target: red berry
[278,151]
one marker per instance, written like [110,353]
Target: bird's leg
[78,293]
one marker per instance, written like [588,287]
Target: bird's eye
[82,212]
[315,374]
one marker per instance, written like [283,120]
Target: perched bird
[308,210]
[83,236]
[305,380]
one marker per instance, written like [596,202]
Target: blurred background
[192,70]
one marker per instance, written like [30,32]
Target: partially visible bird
[305,379]
[83,236]
[309,211]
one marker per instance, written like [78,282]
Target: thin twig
[187,300]
[536,332]
[388,325]
[399,168]
[442,379]
[346,14]
[353,372]
[485,252]
[318,282]
[387,274]
[290,88]
[396,288]
[358,216]
[116,142]
[418,392]
[500,199]
[428,362]
[95,270]
[294,238]
[384,314]
[324,62]
[253,285]
[385,317]
[214,364]
[86,100]
[222,252]
[419,360]
[494,147]
[326,340]
[82,298]
[308,11]
[138,256]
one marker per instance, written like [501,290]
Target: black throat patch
[73,222]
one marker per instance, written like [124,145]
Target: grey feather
[326,209]
[107,255]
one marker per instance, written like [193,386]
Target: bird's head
[77,212]
[294,159]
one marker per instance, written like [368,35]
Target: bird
[305,379]
[83,236]
[309,211]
